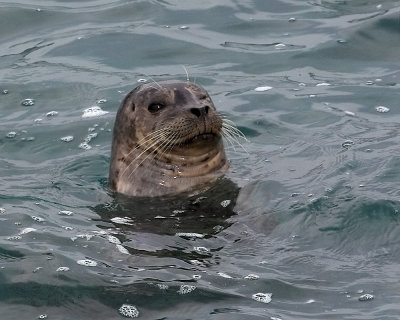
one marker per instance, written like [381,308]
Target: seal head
[167,139]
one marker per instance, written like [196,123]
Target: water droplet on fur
[28,102]
[185,288]
[128,311]
[262,297]
[382,109]
[11,134]
[51,113]
[94,111]
[62,269]
[87,263]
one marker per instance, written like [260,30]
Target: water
[314,85]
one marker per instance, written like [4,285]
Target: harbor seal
[167,139]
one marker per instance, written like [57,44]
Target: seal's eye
[155,107]
[203,97]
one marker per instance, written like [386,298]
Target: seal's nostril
[198,112]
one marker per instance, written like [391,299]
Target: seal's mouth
[201,138]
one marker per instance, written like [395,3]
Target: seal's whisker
[137,157]
[167,139]
[153,80]
[187,73]
[231,136]
[229,139]
[232,127]
[149,138]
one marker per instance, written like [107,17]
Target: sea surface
[306,224]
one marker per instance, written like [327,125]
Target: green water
[314,206]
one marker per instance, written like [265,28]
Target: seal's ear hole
[155,107]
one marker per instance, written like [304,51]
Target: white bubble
[190,235]
[201,250]
[2,210]
[382,109]
[183,27]
[225,203]
[264,88]
[62,269]
[113,239]
[28,102]
[262,297]
[43,316]
[162,286]
[122,249]
[87,263]
[280,46]
[11,134]
[224,275]
[349,113]
[51,113]
[94,111]
[185,288]
[196,277]
[322,84]
[14,238]
[128,311]
[366,297]
[37,120]
[27,230]
[38,219]
[292,19]
[101,101]
[84,146]
[142,80]
[119,220]
[65,213]
[252,277]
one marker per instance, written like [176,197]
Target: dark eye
[203,97]
[154,107]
